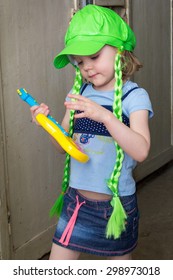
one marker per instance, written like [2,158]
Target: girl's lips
[92,76]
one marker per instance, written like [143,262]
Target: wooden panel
[32,32]
[5,248]
[152,24]
[109,2]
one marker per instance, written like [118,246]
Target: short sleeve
[137,100]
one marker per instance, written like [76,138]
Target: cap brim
[78,48]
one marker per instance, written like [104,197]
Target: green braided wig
[89,31]
[116,223]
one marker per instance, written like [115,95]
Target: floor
[155,199]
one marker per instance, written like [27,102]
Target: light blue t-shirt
[93,175]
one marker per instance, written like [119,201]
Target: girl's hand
[88,108]
[41,109]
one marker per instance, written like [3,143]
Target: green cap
[90,29]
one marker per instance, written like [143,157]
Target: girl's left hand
[89,109]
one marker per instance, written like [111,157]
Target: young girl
[107,116]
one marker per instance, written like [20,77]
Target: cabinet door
[32,32]
[152,24]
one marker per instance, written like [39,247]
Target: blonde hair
[130,64]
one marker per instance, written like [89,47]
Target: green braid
[57,207]
[116,223]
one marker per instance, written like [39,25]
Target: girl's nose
[87,65]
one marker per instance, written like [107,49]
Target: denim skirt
[85,227]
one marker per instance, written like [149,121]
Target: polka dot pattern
[88,126]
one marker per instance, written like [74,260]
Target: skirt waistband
[97,203]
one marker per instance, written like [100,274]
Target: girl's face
[98,68]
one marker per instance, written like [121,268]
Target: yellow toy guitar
[55,129]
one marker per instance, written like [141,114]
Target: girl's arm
[135,141]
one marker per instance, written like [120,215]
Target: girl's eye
[94,57]
[79,62]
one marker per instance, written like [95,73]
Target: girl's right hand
[41,109]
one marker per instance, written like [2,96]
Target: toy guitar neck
[55,129]
[25,96]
